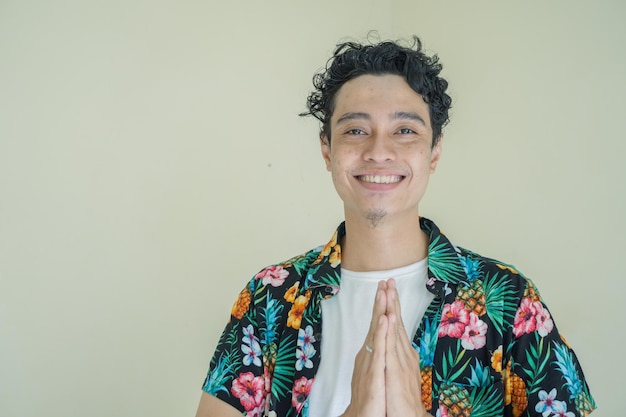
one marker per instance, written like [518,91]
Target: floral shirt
[488,345]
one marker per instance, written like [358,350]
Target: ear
[325,147]
[435,154]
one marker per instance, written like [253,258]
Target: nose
[379,148]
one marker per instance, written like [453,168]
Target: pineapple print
[531,292]
[427,387]
[456,400]
[242,303]
[427,355]
[474,298]
[269,357]
[565,362]
[269,364]
[514,391]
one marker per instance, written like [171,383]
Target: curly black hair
[352,59]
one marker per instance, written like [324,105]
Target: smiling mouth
[380,179]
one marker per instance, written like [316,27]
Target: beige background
[152,160]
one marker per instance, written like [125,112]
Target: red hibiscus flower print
[273,275]
[525,321]
[532,316]
[544,321]
[300,392]
[474,336]
[256,411]
[454,319]
[249,390]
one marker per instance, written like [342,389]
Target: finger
[402,373]
[380,325]
[395,360]
[377,358]
[380,306]
[368,376]
[403,343]
[393,303]
[392,313]
[393,297]
[391,338]
[396,308]
[395,320]
[380,339]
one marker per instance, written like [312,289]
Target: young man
[389,318]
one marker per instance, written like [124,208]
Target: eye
[355,132]
[406,131]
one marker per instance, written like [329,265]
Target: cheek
[343,160]
[339,171]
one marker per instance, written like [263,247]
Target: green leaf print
[537,357]
[579,391]
[285,368]
[270,318]
[444,262]
[480,375]
[302,263]
[499,299]
[452,366]
[486,402]
[221,373]
[232,337]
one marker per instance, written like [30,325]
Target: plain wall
[152,160]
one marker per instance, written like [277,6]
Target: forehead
[376,95]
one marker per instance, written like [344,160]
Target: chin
[376,216]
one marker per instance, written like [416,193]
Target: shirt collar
[444,266]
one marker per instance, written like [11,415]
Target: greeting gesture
[402,372]
[368,378]
[386,377]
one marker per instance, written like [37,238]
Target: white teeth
[380,179]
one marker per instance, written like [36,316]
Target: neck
[387,244]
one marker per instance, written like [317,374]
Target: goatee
[375,216]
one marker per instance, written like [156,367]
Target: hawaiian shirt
[487,343]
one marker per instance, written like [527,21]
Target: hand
[368,377]
[403,393]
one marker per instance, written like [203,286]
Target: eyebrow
[353,116]
[402,115]
[399,115]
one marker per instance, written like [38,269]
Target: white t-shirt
[345,322]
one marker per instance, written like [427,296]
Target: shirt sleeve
[236,371]
[543,365]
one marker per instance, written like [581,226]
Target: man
[412,325]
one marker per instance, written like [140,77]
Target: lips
[380,179]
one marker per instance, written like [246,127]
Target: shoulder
[275,285]
[494,271]
[279,281]
[288,272]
